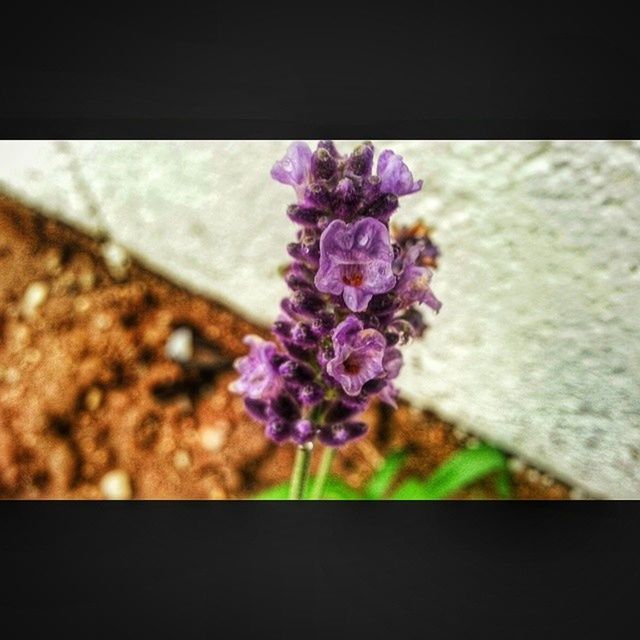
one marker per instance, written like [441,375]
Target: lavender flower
[359,355]
[395,176]
[413,283]
[355,289]
[294,168]
[355,261]
[258,377]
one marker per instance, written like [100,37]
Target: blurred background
[535,350]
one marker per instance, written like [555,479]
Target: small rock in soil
[116,485]
[179,346]
[34,298]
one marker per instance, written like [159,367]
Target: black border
[322,570]
[325,69]
[318,570]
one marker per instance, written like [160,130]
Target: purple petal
[395,176]
[294,168]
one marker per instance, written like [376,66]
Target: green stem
[300,473]
[323,471]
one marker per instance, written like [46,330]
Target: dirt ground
[92,407]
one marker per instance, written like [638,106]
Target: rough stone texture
[536,346]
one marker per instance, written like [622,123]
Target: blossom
[395,176]
[259,377]
[359,354]
[392,363]
[414,281]
[354,289]
[355,261]
[294,168]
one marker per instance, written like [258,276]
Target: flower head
[259,378]
[414,281]
[359,354]
[355,261]
[294,168]
[354,287]
[395,176]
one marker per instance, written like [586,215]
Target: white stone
[179,346]
[116,485]
[116,259]
[212,438]
[34,297]
[536,348]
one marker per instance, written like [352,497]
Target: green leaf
[462,469]
[334,489]
[278,492]
[382,479]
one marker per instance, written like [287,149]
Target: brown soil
[91,407]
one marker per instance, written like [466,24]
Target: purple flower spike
[294,168]
[259,378]
[303,432]
[359,354]
[355,261]
[336,435]
[354,286]
[395,176]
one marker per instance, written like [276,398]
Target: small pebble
[116,485]
[217,493]
[213,438]
[103,322]
[516,465]
[179,346]
[34,297]
[577,494]
[532,476]
[93,399]
[11,375]
[117,260]
[81,305]
[53,261]
[547,481]
[181,460]
[87,280]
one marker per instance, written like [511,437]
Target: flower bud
[310,394]
[303,431]
[383,206]
[328,145]
[303,335]
[257,409]
[318,195]
[340,411]
[360,161]
[306,216]
[306,303]
[282,328]
[285,407]
[296,372]
[278,431]
[339,434]
[323,165]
